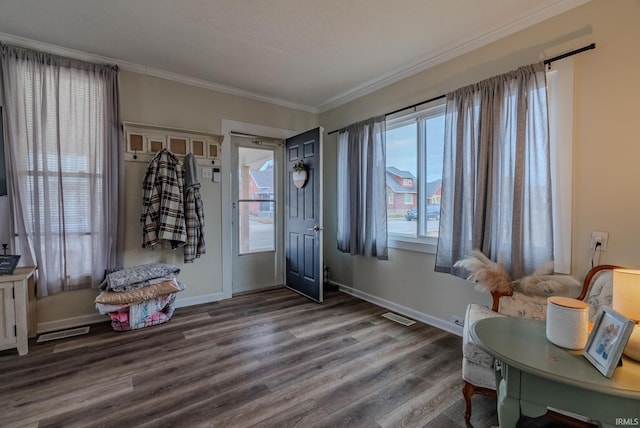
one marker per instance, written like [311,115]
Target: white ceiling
[308,54]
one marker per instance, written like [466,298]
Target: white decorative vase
[567,322]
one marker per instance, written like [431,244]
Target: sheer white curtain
[496,185]
[65,166]
[362,208]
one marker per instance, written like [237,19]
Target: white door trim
[227,126]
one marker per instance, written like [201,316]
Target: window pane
[255,173]
[256,200]
[256,226]
[434,145]
[414,174]
[402,189]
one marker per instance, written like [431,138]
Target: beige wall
[156,101]
[606,193]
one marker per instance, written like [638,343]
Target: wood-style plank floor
[269,359]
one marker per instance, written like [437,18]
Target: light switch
[207,172]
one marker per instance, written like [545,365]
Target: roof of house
[397,187]
[434,188]
[399,173]
[263,179]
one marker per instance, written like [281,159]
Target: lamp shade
[626,300]
[626,292]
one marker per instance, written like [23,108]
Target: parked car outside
[433,213]
[411,214]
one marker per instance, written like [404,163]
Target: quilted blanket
[144,314]
[139,276]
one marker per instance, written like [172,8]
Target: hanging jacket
[163,202]
[193,212]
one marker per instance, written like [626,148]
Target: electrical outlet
[599,237]
[459,321]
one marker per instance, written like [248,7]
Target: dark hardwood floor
[269,359]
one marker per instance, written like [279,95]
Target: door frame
[227,127]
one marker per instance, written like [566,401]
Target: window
[415,146]
[256,200]
[71,169]
[414,170]
[64,151]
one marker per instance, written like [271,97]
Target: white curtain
[65,166]
[496,185]
[362,208]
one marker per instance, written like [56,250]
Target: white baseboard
[402,310]
[199,300]
[66,323]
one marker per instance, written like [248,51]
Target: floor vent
[63,334]
[399,319]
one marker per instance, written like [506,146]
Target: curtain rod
[546,62]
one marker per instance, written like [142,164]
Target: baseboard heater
[63,334]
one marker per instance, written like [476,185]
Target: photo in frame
[607,340]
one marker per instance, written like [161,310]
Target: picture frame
[607,340]
[8,263]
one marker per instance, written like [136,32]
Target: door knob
[316,228]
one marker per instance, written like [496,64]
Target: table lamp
[626,300]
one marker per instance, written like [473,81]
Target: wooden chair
[478,367]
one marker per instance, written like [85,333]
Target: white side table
[17,309]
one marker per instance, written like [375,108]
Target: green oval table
[534,374]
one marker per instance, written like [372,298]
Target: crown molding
[150,71]
[448,53]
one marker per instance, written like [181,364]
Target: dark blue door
[303,215]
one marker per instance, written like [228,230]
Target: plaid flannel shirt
[194,217]
[162,202]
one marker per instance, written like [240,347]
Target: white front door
[256,191]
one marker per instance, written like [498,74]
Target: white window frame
[420,242]
[560,100]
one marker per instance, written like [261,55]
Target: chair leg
[467,391]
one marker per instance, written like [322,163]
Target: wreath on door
[299,174]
